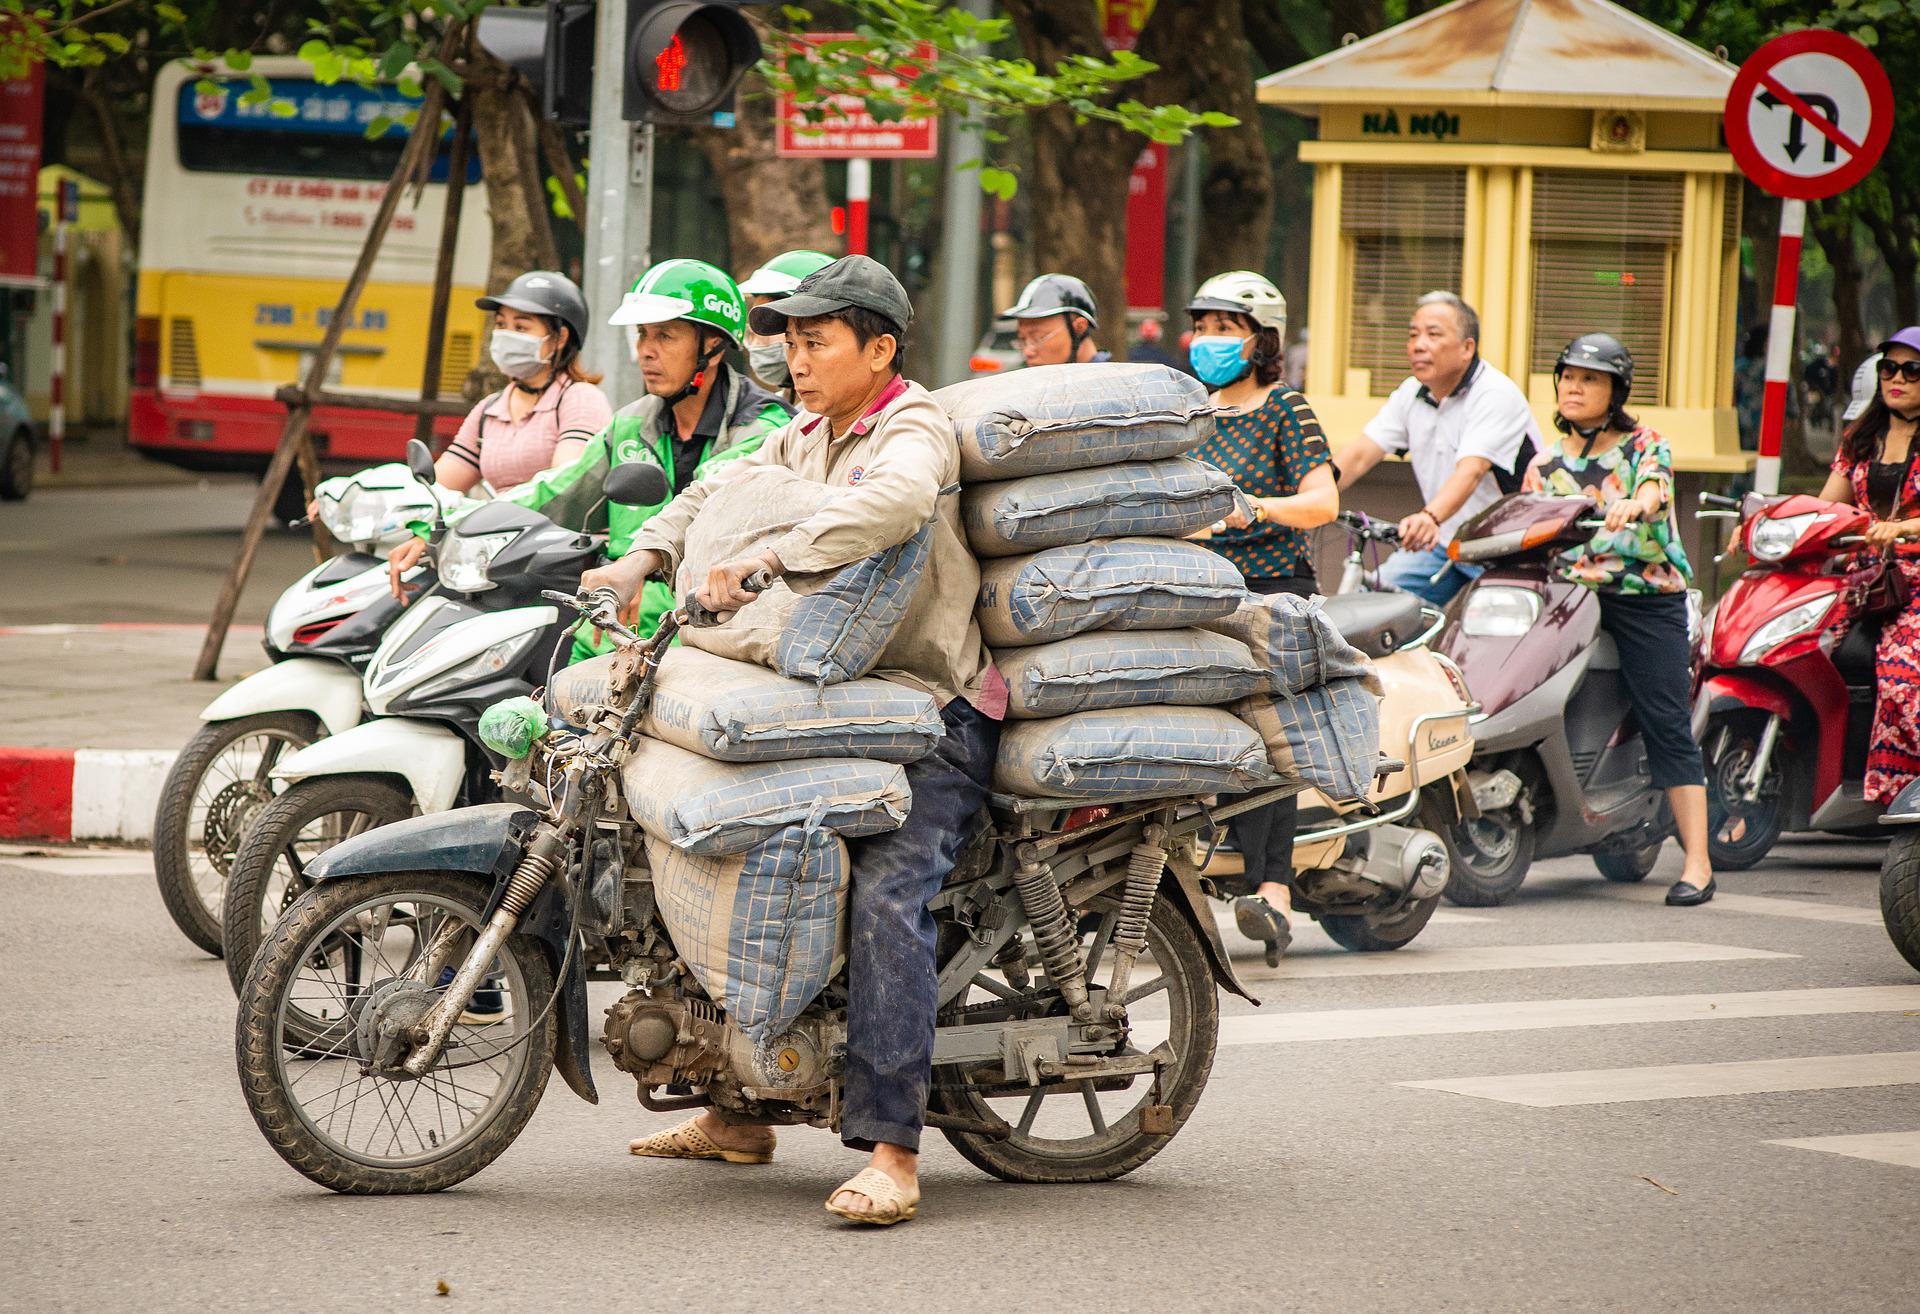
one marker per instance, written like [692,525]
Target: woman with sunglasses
[1876,471]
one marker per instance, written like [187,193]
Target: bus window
[326,137]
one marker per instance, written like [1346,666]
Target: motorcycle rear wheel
[1070,1131]
[1625,866]
[210,793]
[268,871]
[1367,933]
[300,1094]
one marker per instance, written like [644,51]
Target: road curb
[80,794]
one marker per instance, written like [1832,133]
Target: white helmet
[1243,292]
[1865,384]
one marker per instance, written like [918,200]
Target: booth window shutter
[1604,245]
[1406,227]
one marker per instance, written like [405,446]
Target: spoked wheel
[1090,1130]
[363,956]
[269,870]
[1489,857]
[1741,831]
[220,780]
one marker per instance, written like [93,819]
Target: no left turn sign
[1809,114]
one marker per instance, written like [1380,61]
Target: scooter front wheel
[1489,857]
[1741,831]
[1900,894]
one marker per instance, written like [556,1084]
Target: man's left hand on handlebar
[725,588]
[1420,531]
[625,577]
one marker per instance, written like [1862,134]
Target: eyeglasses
[1030,343]
[1907,370]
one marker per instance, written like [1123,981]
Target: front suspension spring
[1053,933]
[528,877]
[1144,866]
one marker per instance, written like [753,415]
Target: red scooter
[1783,713]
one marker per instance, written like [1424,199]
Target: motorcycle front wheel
[220,780]
[1900,894]
[1740,832]
[337,1106]
[1488,858]
[1089,1130]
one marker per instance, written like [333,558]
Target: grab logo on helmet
[721,306]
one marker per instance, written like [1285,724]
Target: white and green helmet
[783,273]
[685,289]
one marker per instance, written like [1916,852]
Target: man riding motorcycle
[890,449]
[767,356]
[684,314]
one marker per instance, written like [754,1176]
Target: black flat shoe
[1685,894]
[1261,921]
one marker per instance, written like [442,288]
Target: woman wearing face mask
[550,407]
[767,357]
[1270,442]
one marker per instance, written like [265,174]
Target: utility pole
[960,241]
[620,209]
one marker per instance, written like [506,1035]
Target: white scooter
[483,635]
[319,634]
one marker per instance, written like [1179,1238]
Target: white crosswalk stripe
[1417,960]
[1678,1081]
[1762,905]
[1899,1148]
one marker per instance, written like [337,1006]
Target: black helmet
[1055,294]
[1604,354]
[544,292]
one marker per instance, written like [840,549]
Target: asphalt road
[1313,1176]
[137,554]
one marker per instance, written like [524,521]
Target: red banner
[20,102]
[1122,21]
[849,132]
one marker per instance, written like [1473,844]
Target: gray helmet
[1055,294]
[1604,354]
[544,292]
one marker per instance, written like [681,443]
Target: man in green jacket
[696,413]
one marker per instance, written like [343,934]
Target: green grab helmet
[783,273]
[685,289]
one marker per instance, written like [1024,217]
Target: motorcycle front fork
[1756,773]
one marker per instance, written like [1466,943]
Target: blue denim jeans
[1413,572]
[891,968]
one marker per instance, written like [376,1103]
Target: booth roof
[1512,52]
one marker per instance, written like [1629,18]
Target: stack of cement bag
[749,781]
[1137,664]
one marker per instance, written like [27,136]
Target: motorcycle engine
[670,1039]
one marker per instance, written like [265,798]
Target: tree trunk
[773,204]
[1833,225]
[1898,238]
[504,133]
[1206,63]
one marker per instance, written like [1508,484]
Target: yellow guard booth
[1556,162]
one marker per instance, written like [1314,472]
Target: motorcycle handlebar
[699,615]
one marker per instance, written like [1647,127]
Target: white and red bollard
[1786,291]
[859,197]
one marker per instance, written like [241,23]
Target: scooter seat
[1375,623]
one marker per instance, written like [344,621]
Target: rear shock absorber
[1144,867]
[1053,932]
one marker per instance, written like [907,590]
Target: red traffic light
[684,58]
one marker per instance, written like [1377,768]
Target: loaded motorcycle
[1558,763]
[1361,869]
[319,634]
[1784,715]
[482,635]
[1080,1072]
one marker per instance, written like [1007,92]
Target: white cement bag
[1294,640]
[760,929]
[1166,499]
[1093,672]
[716,808]
[1133,753]
[1327,736]
[1115,584]
[1073,417]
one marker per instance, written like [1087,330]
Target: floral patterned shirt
[1644,557]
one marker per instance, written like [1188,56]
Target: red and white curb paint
[80,794]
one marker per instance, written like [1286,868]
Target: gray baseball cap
[854,280]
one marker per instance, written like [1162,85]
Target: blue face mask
[1217,360]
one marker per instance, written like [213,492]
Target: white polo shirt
[1486,416]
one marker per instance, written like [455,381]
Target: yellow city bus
[253,222]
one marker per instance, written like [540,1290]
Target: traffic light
[684,58]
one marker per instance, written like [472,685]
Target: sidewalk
[105,460]
[83,748]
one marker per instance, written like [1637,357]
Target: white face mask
[769,364]
[517,355]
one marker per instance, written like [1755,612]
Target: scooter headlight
[466,560]
[494,660]
[1791,623]
[1498,611]
[1772,539]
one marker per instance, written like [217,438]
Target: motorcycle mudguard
[431,758]
[330,690]
[1193,903]
[487,841]
[1726,690]
[1905,808]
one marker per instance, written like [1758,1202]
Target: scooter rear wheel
[1370,933]
[1629,865]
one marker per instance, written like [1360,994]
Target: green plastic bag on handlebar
[511,727]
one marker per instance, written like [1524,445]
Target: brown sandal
[891,1203]
[687,1141]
